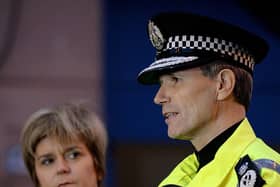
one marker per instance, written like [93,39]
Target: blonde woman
[65,146]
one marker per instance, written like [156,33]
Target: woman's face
[68,165]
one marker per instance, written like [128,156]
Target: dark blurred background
[55,51]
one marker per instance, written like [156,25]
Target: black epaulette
[248,173]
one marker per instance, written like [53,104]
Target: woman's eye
[47,161]
[73,155]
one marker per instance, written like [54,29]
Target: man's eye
[47,161]
[174,79]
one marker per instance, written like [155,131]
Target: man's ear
[225,83]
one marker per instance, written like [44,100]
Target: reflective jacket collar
[225,160]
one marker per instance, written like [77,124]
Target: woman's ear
[225,83]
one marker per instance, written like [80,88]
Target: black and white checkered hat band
[207,43]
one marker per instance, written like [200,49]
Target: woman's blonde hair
[66,122]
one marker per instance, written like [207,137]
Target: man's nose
[161,96]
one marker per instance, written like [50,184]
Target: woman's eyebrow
[72,147]
[43,156]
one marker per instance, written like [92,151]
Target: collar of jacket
[225,160]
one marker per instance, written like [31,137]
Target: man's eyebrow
[164,75]
[167,74]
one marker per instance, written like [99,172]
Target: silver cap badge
[155,36]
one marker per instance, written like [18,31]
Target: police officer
[205,69]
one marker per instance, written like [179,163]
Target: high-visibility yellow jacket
[221,171]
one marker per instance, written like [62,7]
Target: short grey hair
[244,82]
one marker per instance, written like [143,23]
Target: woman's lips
[65,184]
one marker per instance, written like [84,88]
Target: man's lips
[168,115]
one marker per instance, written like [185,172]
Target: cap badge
[155,36]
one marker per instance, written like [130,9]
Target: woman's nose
[62,166]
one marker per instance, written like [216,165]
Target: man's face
[188,101]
